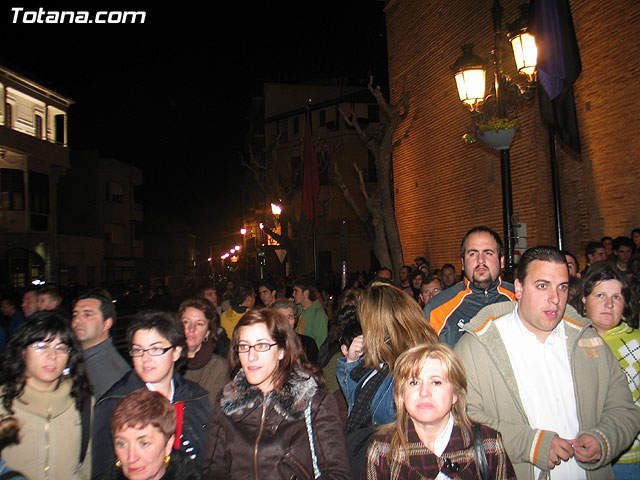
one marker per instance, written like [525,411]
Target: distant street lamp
[505,95]
[243,231]
[276,209]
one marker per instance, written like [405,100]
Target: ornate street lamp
[523,43]
[503,98]
[470,77]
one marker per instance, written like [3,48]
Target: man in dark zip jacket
[482,258]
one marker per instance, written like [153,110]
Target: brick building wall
[444,187]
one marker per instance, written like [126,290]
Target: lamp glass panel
[525,53]
[471,84]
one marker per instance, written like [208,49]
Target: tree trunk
[386,236]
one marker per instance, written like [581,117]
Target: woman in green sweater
[609,303]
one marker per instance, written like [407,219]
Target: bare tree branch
[347,195]
[406,132]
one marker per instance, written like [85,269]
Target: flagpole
[310,186]
[315,247]
[555,180]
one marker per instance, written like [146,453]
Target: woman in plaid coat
[433,438]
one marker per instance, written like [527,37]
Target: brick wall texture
[444,186]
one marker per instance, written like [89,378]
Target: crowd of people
[428,376]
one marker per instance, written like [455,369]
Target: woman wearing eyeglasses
[274,420]
[157,345]
[44,385]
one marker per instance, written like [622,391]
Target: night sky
[170,96]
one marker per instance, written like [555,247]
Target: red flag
[310,181]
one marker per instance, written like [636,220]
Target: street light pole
[500,102]
[500,84]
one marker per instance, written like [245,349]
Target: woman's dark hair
[209,312]
[9,429]
[294,361]
[42,326]
[350,330]
[166,324]
[141,408]
[601,272]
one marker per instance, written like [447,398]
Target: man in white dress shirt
[546,380]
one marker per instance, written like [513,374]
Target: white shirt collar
[442,441]
[151,387]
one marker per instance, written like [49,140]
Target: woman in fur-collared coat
[273,419]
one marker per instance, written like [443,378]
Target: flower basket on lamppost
[497,133]
[495,115]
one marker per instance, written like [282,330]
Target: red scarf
[179,408]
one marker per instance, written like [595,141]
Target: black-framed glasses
[258,347]
[153,351]
[43,346]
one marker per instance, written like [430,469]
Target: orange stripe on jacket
[439,316]
[506,293]
[537,447]
[485,323]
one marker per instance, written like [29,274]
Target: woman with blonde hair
[433,437]
[392,322]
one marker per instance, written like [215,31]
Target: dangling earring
[166,460]
[118,463]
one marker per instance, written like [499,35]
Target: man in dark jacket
[92,318]
[482,257]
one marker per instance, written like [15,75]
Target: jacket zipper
[47,448]
[255,449]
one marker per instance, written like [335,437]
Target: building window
[59,134]
[12,187]
[296,125]
[37,126]
[114,192]
[38,192]
[8,121]
[323,118]
[283,129]
[39,201]
[39,223]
